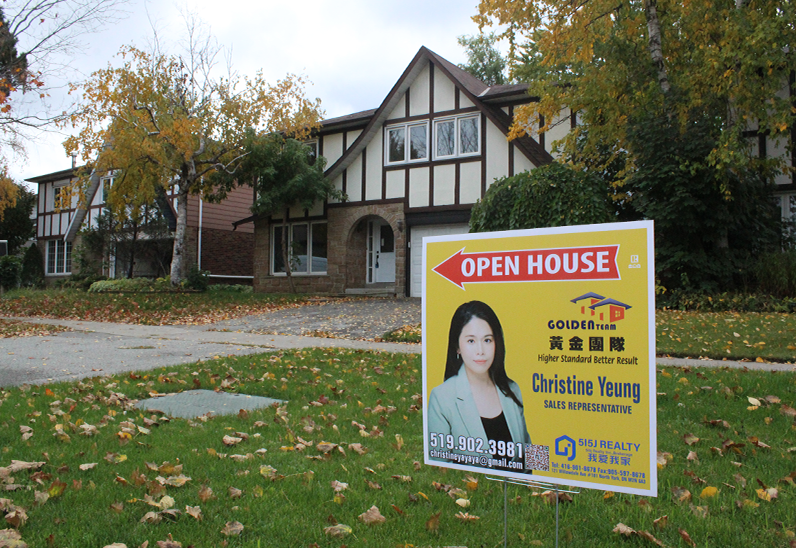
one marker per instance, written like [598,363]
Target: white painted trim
[407,127]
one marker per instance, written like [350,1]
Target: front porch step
[373,291]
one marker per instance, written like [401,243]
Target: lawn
[730,335]
[349,438]
[143,308]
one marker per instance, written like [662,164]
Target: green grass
[405,334]
[142,308]
[731,335]
[326,391]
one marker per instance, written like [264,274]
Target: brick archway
[349,225]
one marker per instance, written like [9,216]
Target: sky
[353,51]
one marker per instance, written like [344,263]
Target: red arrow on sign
[531,265]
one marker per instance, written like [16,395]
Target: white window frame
[64,249]
[457,146]
[407,127]
[290,227]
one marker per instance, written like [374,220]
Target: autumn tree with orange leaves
[166,122]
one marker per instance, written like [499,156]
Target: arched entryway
[371,256]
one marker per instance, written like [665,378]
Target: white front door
[381,252]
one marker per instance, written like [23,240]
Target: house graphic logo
[565,447]
[592,304]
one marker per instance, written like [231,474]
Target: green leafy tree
[484,60]
[16,225]
[694,78]
[284,173]
[551,195]
[165,121]
[32,267]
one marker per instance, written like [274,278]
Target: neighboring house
[411,168]
[212,242]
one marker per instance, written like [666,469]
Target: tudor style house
[411,168]
[212,242]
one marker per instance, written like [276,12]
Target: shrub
[551,195]
[776,273]
[224,288]
[32,268]
[196,279]
[132,285]
[10,269]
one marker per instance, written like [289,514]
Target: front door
[381,252]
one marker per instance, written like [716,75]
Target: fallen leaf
[699,511]
[767,494]
[433,522]
[681,495]
[708,492]
[231,440]
[151,517]
[339,486]
[338,531]
[465,517]
[373,484]
[661,522]
[232,528]
[690,439]
[235,493]
[194,511]
[686,537]
[372,516]
[623,529]
[205,493]
[87,466]
[464,503]
[470,483]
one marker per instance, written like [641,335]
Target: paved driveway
[95,348]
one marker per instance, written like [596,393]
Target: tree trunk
[179,234]
[655,45]
[285,254]
[133,243]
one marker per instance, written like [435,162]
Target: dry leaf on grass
[339,486]
[686,537]
[338,531]
[623,529]
[232,528]
[433,522]
[465,517]
[194,511]
[372,516]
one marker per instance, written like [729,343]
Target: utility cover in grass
[195,403]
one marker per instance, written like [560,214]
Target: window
[459,136]
[407,143]
[59,257]
[313,146]
[307,245]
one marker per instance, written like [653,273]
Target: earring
[457,356]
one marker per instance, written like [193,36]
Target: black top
[497,428]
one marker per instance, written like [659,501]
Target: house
[411,168]
[212,243]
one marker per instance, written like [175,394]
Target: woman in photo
[477,399]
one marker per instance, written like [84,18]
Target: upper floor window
[407,143]
[457,136]
[313,146]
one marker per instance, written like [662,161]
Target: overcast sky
[352,50]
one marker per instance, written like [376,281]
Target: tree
[166,121]
[613,62]
[484,60]
[284,173]
[16,225]
[692,77]
[551,195]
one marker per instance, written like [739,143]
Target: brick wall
[227,253]
[346,247]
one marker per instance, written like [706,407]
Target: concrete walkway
[95,348]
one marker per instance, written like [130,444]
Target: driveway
[95,348]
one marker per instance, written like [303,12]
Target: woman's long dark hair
[462,316]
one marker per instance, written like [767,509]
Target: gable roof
[476,91]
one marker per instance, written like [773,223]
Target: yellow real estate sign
[539,355]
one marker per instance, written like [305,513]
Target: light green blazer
[452,410]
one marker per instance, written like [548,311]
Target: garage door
[416,249]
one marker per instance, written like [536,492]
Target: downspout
[199,243]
